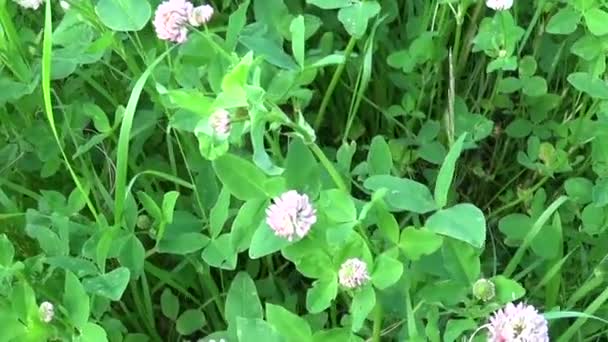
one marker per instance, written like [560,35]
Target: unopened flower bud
[484,289]
[46,311]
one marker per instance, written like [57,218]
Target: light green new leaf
[418,242]
[363,303]
[75,301]
[322,293]
[92,332]
[564,21]
[507,290]
[330,4]
[355,17]
[265,242]
[387,271]
[446,172]
[587,83]
[596,20]
[297,30]
[289,325]
[124,15]
[463,222]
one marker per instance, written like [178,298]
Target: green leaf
[515,226]
[265,242]
[169,304]
[150,206]
[190,321]
[587,47]
[403,194]
[233,85]
[236,23]
[455,328]
[297,30]
[169,201]
[463,222]
[596,20]
[446,172]
[507,290]
[355,17]
[80,267]
[290,326]
[322,293]
[534,86]
[363,303]
[92,332]
[246,222]
[110,285]
[301,169]
[7,251]
[219,213]
[338,205]
[330,4]
[182,244]
[243,179]
[75,301]
[242,300]
[461,261]
[599,193]
[124,15]
[589,84]
[527,66]
[519,128]
[269,49]
[220,253]
[132,255]
[256,330]
[387,271]
[418,242]
[379,158]
[579,189]
[509,85]
[564,21]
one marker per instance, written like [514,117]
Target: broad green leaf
[379,158]
[110,285]
[219,213]
[182,244]
[338,205]
[362,305]
[75,301]
[256,330]
[599,193]
[132,256]
[169,304]
[265,242]
[190,321]
[240,177]
[92,332]
[534,86]
[418,242]
[515,226]
[564,21]
[124,15]
[289,325]
[270,50]
[150,206]
[330,4]
[509,85]
[527,66]
[579,189]
[80,267]
[236,23]
[233,85]
[297,30]
[461,261]
[587,47]
[519,128]
[242,300]
[387,271]
[403,194]
[589,84]
[596,19]
[446,172]
[507,290]
[246,222]
[322,293]
[355,17]
[463,222]
[301,169]
[7,251]
[455,329]
[220,253]
[194,104]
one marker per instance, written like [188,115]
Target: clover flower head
[499,5]
[291,215]
[46,312]
[201,15]
[31,4]
[171,19]
[353,273]
[220,122]
[518,323]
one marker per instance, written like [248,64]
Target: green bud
[484,289]
[143,222]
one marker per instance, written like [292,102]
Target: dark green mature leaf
[110,285]
[169,304]
[463,222]
[355,17]
[461,261]
[190,321]
[124,15]
[182,244]
[242,300]
[301,169]
[246,223]
[297,29]
[7,251]
[270,50]
[80,267]
[579,189]
[220,253]
[240,177]
[219,213]
[446,172]
[75,301]
[330,4]
[379,158]
[132,255]
[290,326]
[403,194]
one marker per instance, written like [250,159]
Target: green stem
[591,309]
[582,291]
[327,164]
[334,82]
[539,9]
[377,328]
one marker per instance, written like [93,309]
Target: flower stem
[327,164]
[377,328]
[590,310]
[334,82]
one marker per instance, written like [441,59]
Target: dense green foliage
[439,141]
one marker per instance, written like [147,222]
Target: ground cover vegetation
[303,170]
